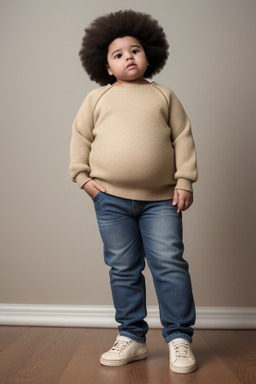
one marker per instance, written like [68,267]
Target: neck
[125,83]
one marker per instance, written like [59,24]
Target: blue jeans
[132,230]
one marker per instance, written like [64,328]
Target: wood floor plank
[236,353]
[85,361]
[9,334]
[154,369]
[249,335]
[211,368]
[40,357]
[14,356]
[71,355]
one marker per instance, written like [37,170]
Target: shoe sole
[184,370]
[117,363]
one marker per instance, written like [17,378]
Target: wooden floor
[34,355]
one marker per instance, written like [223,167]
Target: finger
[99,187]
[91,188]
[181,206]
[186,205]
[175,198]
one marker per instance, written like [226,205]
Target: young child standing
[133,153]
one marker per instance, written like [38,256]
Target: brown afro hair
[103,30]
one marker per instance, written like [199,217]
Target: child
[132,151]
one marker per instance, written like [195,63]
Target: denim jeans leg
[161,230]
[124,254]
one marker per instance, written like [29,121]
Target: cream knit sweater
[135,141]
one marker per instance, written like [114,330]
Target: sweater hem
[138,193]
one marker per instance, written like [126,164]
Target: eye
[118,56]
[134,51]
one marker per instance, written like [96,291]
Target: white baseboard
[103,316]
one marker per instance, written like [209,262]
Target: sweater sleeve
[81,140]
[184,147]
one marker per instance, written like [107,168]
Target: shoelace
[181,350]
[120,345]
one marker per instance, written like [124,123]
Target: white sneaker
[124,351]
[182,359]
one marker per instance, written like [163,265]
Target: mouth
[131,65]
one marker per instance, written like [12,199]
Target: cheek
[144,60]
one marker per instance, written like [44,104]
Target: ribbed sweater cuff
[81,179]
[184,184]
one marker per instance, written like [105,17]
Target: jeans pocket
[97,197]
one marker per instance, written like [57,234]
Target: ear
[109,70]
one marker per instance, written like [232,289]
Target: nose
[129,56]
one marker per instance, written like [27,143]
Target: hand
[92,188]
[183,199]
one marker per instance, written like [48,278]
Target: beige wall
[51,252]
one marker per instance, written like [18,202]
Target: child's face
[127,60]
